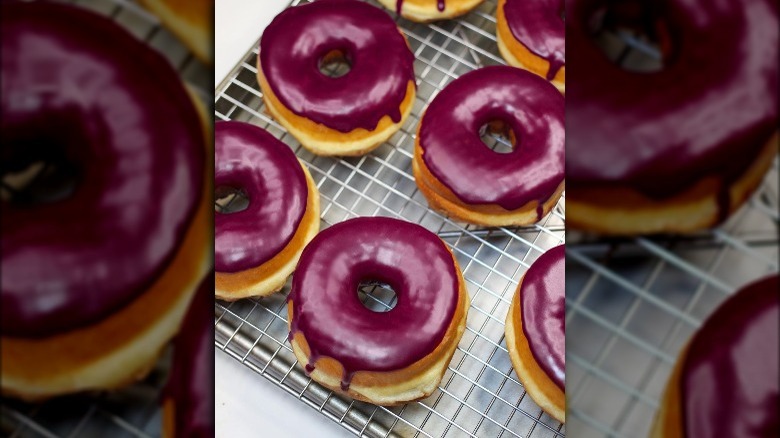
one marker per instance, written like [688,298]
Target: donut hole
[39,182]
[633,36]
[335,64]
[377,296]
[229,200]
[498,136]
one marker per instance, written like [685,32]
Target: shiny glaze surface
[117,111]
[538,25]
[328,312]
[250,159]
[381,63]
[543,309]
[399,4]
[730,375]
[455,154]
[191,383]
[708,112]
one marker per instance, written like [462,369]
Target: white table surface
[246,404]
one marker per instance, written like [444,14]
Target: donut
[382,358]
[461,177]
[256,249]
[347,115]
[682,148]
[191,21]
[188,396]
[423,11]
[96,281]
[535,332]
[531,35]
[725,382]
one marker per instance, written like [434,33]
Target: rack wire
[480,394]
[633,304]
[133,411]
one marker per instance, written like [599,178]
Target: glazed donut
[430,10]
[96,281]
[256,249]
[382,358]
[191,21]
[531,35]
[678,149]
[462,177]
[535,332]
[725,382]
[347,115]
[188,402]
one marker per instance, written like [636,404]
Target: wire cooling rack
[133,411]
[632,304]
[480,394]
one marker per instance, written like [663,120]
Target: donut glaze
[268,172]
[327,311]
[381,63]
[454,153]
[730,376]
[543,311]
[708,112]
[538,25]
[399,4]
[191,383]
[137,149]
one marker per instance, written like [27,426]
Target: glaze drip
[454,153]
[138,147]
[708,112]
[543,311]
[440,6]
[538,26]
[267,170]
[729,381]
[327,311]
[382,66]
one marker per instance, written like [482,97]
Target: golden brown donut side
[668,420]
[537,384]
[123,347]
[517,55]
[271,276]
[622,210]
[390,388]
[443,200]
[190,21]
[425,11]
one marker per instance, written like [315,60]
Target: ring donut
[346,115]
[462,177]
[256,249]
[382,358]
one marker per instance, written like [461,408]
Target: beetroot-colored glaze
[250,159]
[381,63]
[327,311]
[399,4]
[79,90]
[543,309]
[730,375]
[538,25]
[456,156]
[708,112]
[191,383]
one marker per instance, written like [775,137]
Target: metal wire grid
[479,395]
[133,411]
[632,304]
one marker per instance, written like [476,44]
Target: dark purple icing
[327,310]
[730,376]
[538,25]
[381,63]
[708,112]
[78,88]
[250,159]
[440,5]
[456,156]
[191,383]
[543,309]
